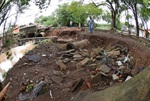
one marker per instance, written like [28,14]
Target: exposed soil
[61,83]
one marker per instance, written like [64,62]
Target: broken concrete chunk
[34,58]
[128,78]
[103,74]
[82,43]
[96,78]
[115,77]
[114,53]
[104,68]
[93,65]
[96,52]
[57,72]
[61,65]
[110,61]
[69,51]
[56,79]
[66,60]
[78,65]
[67,55]
[77,56]
[85,61]
[119,63]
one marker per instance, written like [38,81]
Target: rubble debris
[126,59]
[96,78]
[114,53]
[115,77]
[34,58]
[95,52]
[77,56]
[79,44]
[56,79]
[33,93]
[88,84]
[61,65]
[112,64]
[104,68]
[128,78]
[77,84]
[82,63]
[58,73]
[119,63]
[64,40]
[50,93]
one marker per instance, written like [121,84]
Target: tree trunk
[137,25]
[113,19]
[136,21]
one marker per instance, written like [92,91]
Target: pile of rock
[114,65]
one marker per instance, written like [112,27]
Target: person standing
[90,23]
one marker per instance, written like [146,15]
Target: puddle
[11,57]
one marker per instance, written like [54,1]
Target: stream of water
[11,57]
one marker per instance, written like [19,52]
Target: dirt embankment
[140,53]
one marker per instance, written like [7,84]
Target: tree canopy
[7,5]
[77,12]
[140,10]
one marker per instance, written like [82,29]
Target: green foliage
[75,12]
[80,12]
[8,42]
[135,7]
[118,23]
[103,26]
[46,41]
[63,15]
[145,12]
[9,55]
[29,87]
[107,17]
[4,75]
[47,20]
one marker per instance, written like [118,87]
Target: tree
[77,12]
[113,6]
[133,6]
[63,15]
[145,13]
[106,17]
[80,11]
[127,22]
[7,5]
[47,20]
